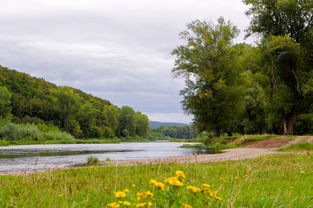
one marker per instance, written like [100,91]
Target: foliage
[24,133]
[207,63]
[32,100]
[92,160]
[272,181]
[13,132]
[266,88]
[5,102]
[177,132]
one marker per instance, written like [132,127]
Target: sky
[119,50]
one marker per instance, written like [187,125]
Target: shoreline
[227,155]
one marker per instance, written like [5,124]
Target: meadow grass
[284,180]
[227,142]
[301,146]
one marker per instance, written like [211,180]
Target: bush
[92,160]
[12,132]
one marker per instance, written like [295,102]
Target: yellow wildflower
[218,198]
[120,194]
[152,181]
[133,185]
[126,190]
[157,184]
[113,205]
[174,181]
[194,189]
[180,174]
[143,204]
[213,193]
[206,186]
[142,195]
[187,206]
[126,203]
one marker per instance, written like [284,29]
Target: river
[36,157]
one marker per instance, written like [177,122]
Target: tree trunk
[217,133]
[289,123]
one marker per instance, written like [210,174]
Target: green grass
[301,146]
[226,142]
[72,141]
[269,181]
[186,140]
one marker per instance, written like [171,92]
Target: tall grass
[30,133]
[269,181]
[301,146]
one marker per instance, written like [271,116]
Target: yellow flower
[187,206]
[120,194]
[194,189]
[173,181]
[143,195]
[213,193]
[152,181]
[206,186]
[126,190]
[141,204]
[133,185]
[180,174]
[157,184]
[113,205]
[126,203]
[218,198]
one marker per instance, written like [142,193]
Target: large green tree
[286,30]
[5,102]
[207,60]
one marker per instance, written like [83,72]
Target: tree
[68,104]
[142,124]
[5,102]
[127,122]
[208,63]
[286,28]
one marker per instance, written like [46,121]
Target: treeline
[25,99]
[177,132]
[262,88]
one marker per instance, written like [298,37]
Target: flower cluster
[168,194]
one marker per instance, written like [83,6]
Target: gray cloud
[115,49]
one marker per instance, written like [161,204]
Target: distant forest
[177,132]
[25,99]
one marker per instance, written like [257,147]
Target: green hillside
[25,99]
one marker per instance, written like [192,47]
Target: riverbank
[280,180]
[75,141]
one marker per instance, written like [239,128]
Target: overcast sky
[118,50]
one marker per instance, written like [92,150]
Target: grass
[186,140]
[72,141]
[226,142]
[270,181]
[301,146]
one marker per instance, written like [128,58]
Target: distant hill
[154,124]
[27,99]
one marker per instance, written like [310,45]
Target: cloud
[115,49]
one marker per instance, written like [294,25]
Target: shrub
[92,160]
[11,131]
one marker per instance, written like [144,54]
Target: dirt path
[279,142]
[230,154]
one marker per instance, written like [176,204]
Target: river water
[35,157]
